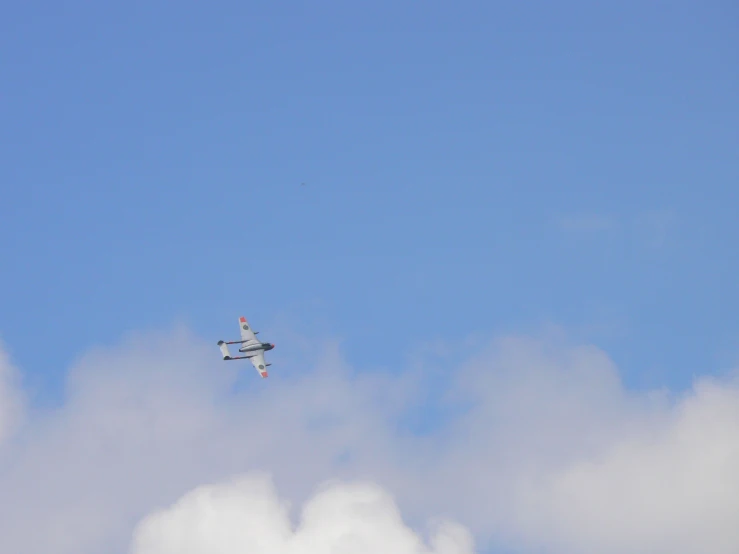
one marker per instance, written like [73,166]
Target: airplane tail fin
[224,350]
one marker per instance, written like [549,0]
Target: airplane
[252,348]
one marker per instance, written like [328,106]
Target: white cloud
[11,399]
[246,515]
[579,464]
[547,452]
[673,488]
[146,421]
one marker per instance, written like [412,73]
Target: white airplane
[252,348]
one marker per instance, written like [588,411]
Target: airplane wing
[259,363]
[247,335]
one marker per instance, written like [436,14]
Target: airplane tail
[226,354]
[224,350]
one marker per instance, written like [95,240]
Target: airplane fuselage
[254,347]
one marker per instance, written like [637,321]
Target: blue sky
[469,168]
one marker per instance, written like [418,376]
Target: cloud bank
[541,450]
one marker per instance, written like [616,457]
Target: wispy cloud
[652,229]
[586,223]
